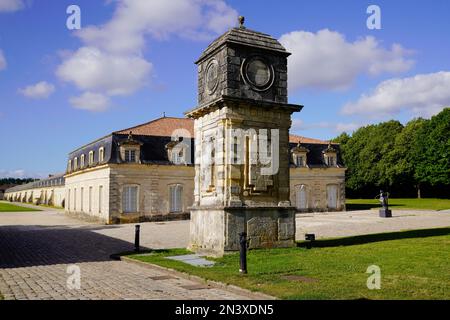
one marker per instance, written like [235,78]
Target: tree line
[16,181]
[405,160]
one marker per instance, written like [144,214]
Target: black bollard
[310,237]
[136,238]
[243,252]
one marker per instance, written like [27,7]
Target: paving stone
[193,259]
[34,261]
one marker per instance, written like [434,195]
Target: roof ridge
[317,141]
[149,122]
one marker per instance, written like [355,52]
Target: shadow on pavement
[348,241]
[25,246]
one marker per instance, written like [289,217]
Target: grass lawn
[425,203]
[7,207]
[413,266]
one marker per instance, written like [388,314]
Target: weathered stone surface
[235,191]
[216,230]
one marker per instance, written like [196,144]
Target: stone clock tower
[241,128]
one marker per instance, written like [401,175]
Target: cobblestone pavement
[35,256]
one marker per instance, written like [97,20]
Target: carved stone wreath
[212,76]
[258,73]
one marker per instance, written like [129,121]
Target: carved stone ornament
[258,73]
[212,76]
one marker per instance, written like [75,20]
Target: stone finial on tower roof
[241,20]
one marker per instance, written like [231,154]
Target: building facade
[106,183]
[49,191]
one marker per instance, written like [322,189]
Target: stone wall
[87,193]
[153,182]
[216,231]
[51,196]
[315,182]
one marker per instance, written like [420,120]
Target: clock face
[257,73]
[212,76]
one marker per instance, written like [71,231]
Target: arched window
[82,161]
[176,198]
[91,158]
[101,154]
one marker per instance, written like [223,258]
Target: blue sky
[344,74]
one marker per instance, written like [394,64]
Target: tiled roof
[162,127]
[295,139]
[165,126]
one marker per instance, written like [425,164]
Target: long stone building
[49,191]
[146,173]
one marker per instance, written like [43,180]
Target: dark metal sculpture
[384,212]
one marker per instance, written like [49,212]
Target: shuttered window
[175,198]
[82,198]
[90,199]
[129,199]
[100,199]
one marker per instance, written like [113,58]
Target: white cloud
[40,90]
[11,5]
[111,62]
[338,127]
[347,127]
[424,95]
[92,69]
[327,60]
[90,101]
[2,60]
[134,19]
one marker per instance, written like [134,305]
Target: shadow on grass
[348,241]
[365,206]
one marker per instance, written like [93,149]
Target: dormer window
[176,152]
[299,155]
[177,156]
[330,156]
[69,167]
[299,160]
[130,155]
[91,158]
[331,161]
[82,161]
[130,150]
[75,163]
[101,154]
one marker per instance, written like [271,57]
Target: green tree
[433,150]
[365,155]
[405,157]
